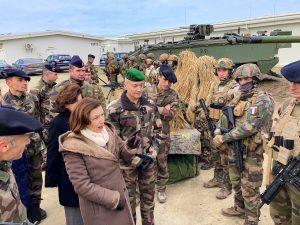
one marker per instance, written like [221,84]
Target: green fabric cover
[182,167]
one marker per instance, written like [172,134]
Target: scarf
[100,139]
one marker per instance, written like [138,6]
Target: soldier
[112,68]
[224,93]
[29,177]
[163,58]
[136,113]
[77,74]
[132,62]
[15,130]
[167,102]
[150,72]
[93,69]
[253,116]
[125,65]
[150,55]
[142,66]
[285,208]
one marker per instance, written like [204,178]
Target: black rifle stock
[285,174]
[238,148]
[211,125]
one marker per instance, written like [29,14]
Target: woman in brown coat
[91,153]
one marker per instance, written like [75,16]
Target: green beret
[134,75]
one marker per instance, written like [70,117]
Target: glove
[134,140]
[218,140]
[122,202]
[147,160]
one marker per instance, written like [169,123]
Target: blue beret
[91,56]
[13,122]
[291,72]
[168,73]
[50,67]
[7,73]
[76,61]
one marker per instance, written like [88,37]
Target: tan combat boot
[162,196]
[223,193]
[233,211]
[212,183]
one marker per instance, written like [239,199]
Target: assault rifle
[112,86]
[284,174]
[210,123]
[238,148]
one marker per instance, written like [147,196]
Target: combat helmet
[125,56]
[150,55]
[163,57]
[248,70]
[224,63]
[142,56]
[132,58]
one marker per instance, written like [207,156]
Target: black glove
[134,140]
[122,202]
[147,160]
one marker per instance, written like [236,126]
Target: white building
[42,44]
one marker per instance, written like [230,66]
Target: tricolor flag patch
[253,110]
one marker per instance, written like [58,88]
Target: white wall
[44,46]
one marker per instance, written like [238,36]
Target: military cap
[168,73]
[291,72]
[13,122]
[91,56]
[134,75]
[76,61]
[7,73]
[50,67]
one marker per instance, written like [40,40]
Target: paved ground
[188,202]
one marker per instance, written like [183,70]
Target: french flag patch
[253,110]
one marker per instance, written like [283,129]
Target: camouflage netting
[195,79]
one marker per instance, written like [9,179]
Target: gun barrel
[265,39]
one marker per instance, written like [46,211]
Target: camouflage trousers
[246,185]
[205,155]
[113,78]
[220,160]
[285,208]
[162,164]
[146,185]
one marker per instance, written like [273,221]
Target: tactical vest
[287,131]
[220,97]
[241,112]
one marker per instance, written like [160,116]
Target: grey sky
[115,18]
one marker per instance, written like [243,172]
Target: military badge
[253,110]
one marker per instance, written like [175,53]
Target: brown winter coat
[96,176]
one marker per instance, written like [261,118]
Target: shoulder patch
[253,110]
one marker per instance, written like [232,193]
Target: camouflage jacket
[142,67]
[112,67]
[94,72]
[42,92]
[88,90]
[125,66]
[11,207]
[27,103]
[161,99]
[128,117]
[134,65]
[253,115]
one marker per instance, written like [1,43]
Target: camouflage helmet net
[132,58]
[248,70]
[163,57]
[142,56]
[150,55]
[224,63]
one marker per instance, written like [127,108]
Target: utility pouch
[284,155]
[239,109]
[214,113]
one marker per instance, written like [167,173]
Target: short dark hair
[68,95]
[80,117]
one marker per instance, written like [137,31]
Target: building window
[94,44]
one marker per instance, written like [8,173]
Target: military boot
[34,212]
[233,211]
[212,183]
[206,166]
[223,193]
[162,196]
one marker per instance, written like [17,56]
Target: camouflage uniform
[88,90]
[28,103]
[253,114]
[94,72]
[132,62]
[128,118]
[142,66]
[162,99]
[112,69]
[125,65]
[285,208]
[11,207]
